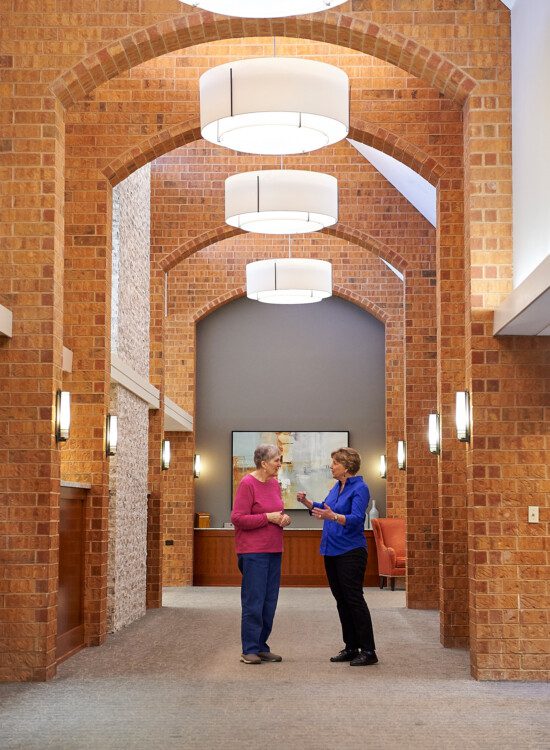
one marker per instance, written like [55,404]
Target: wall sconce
[111,435]
[463,416]
[165,456]
[197,465]
[434,433]
[62,416]
[401,455]
[383,466]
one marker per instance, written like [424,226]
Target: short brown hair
[349,458]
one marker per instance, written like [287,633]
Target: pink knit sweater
[253,532]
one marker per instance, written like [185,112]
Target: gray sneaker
[250,659]
[269,656]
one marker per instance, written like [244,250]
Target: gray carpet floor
[173,680]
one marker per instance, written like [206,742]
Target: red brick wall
[418,113]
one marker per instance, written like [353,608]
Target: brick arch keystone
[197,28]
[187,132]
[224,232]
[337,291]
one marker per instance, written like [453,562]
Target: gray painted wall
[296,367]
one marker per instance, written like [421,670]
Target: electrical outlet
[533,514]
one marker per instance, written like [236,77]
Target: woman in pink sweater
[259,518]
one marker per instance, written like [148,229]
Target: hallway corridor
[173,680]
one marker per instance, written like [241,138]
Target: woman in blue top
[344,548]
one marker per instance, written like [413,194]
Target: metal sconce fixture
[111,435]
[401,455]
[434,433]
[463,416]
[165,456]
[383,466]
[197,465]
[62,416]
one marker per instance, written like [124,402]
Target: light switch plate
[533,514]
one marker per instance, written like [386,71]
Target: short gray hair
[265,452]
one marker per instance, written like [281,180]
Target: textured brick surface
[126,74]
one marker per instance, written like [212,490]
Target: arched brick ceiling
[197,28]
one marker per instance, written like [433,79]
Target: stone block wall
[130,341]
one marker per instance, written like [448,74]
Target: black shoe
[346,654]
[364,659]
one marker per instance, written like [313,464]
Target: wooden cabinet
[215,561]
[70,600]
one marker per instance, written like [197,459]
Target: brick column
[452,293]
[156,434]
[179,511]
[87,316]
[30,374]
[421,474]
[509,454]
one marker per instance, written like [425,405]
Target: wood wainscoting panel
[215,561]
[70,599]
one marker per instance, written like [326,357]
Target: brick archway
[224,232]
[197,28]
[338,291]
[187,132]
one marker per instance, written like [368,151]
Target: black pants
[345,575]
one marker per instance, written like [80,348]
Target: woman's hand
[325,514]
[279,518]
[301,498]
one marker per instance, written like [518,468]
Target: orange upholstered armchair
[389,534]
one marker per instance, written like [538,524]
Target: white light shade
[264,8]
[401,454]
[111,435]
[281,201]
[289,281]
[62,416]
[197,465]
[434,433]
[165,455]
[274,105]
[383,467]
[463,416]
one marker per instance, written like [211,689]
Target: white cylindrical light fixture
[383,467]
[165,455]
[289,281]
[434,433]
[197,465]
[111,435]
[281,201]
[62,416]
[463,416]
[274,105]
[401,455]
[264,8]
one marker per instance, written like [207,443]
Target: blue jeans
[261,573]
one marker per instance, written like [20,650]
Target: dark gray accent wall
[287,367]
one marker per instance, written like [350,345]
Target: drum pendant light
[274,105]
[264,8]
[289,281]
[281,201]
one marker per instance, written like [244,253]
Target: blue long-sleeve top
[352,503]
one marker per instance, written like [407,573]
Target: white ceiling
[509,3]
[411,185]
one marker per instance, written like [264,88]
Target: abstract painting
[305,461]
